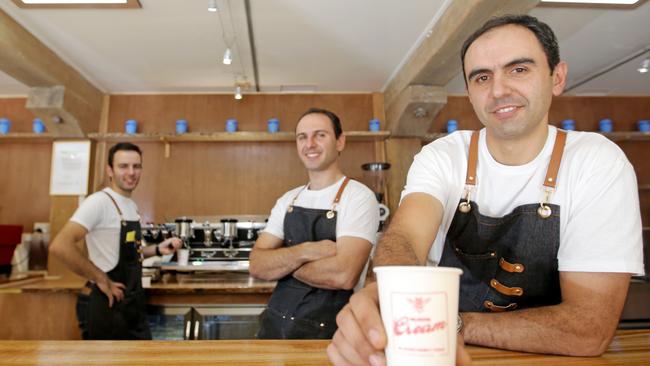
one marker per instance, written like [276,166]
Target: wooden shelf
[614,136]
[644,187]
[243,136]
[627,136]
[26,137]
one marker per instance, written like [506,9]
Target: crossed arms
[323,264]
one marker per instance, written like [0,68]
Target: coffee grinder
[375,176]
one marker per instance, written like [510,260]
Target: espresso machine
[214,242]
[375,176]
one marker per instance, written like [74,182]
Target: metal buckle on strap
[544,211]
[465,207]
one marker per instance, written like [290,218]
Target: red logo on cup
[418,303]
[420,322]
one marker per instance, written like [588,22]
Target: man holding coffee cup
[109,222]
[317,240]
[544,223]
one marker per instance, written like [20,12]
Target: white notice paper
[70,168]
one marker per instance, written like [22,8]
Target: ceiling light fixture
[238,95]
[645,66]
[227,57]
[212,6]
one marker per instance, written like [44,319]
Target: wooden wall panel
[24,183]
[205,178]
[208,113]
[14,109]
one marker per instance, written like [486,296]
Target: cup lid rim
[418,268]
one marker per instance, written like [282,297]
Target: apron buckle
[544,211]
[466,207]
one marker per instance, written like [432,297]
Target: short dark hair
[122,146]
[336,122]
[541,30]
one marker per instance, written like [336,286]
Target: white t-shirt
[600,218]
[357,212]
[98,215]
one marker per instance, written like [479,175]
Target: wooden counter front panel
[39,315]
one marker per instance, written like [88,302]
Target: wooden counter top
[630,347]
[216,283]
[222,282]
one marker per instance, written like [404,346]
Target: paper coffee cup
[419,309]
[183,256]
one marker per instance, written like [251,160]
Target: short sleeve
[275,225]
[603,231]
[361,215]
[429,172]
[90,212]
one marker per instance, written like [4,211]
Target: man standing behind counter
[317,240]
[110,223]
[544,223]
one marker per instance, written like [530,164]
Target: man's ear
[340,143]
[559,77]
[109,172]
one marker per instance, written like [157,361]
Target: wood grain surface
[628,348]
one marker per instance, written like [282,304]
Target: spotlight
[227,57]
[645,66]
[212,5]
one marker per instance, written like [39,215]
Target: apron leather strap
[340,192]
[556,158]
[553,166]
[116,206]
[470,180]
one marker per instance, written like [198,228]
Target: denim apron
[508,262]
[297,310]
[127,319]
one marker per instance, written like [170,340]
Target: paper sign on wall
[70,168]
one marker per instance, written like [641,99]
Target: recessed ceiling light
[612,2]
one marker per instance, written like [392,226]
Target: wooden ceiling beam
[29,61]
[437,59]
[411,114]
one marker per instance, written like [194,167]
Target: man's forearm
[323,273]
[273,264]
[558,329]
[79,264]
[395,249]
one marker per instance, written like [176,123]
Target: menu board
[70,168]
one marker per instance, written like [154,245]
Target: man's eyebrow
[518,61]
[523,60]
[476,72]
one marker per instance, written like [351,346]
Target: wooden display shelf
[243,136]
[26,137]
[627,136]
[614,136]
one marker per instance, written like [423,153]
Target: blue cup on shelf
[644,125]
[5,125]
[38,126]
[273,125]
[569,125]
[374,125]
[181,126]
[131,126]
[231,125]
[452,125]
[605,125]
